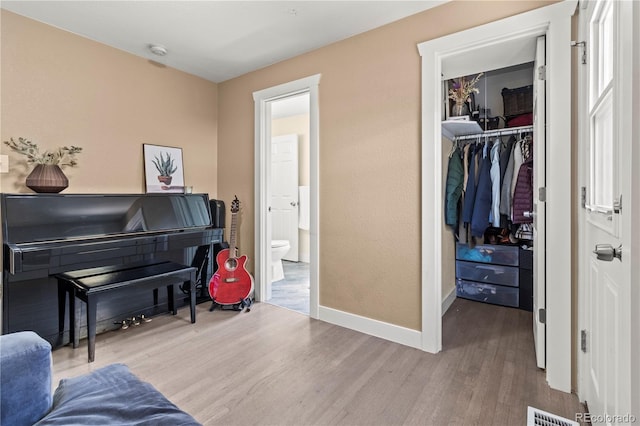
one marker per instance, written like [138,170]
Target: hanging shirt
[465,162]
[494,216]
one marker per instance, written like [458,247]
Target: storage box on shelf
[497,274]
[518,106]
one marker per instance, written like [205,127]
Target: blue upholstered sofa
[111,395]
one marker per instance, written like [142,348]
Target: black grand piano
[48,234]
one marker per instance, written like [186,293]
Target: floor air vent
[536,417]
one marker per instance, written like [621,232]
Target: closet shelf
[451,129]
[460,130]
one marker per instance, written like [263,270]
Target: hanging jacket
[518,160]
[523,193]
[505,156]
[482,202]
[453,191]
[505,192]
[470,189]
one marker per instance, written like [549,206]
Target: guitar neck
[232,235]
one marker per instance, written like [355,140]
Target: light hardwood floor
[273,366]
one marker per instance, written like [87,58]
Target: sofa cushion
[25,378]
[112,395]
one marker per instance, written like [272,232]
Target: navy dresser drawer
[488,293]
[488,274]
[494,254]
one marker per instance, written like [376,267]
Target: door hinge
[583,45]
[542,316]
[583,340]
[542,72]
[583,197]
[542,194]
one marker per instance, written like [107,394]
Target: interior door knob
[293,204]
[529,214]
[606,252]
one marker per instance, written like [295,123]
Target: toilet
[278,249]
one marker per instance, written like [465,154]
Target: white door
[539,181]
[605,139]
[284,192]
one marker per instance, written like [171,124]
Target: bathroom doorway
[289,189]
[264,100]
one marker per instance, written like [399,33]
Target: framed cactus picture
[163,170]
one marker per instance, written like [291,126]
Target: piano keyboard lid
[29,218]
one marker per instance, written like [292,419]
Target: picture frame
[163,169]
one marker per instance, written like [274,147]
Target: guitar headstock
[235,205]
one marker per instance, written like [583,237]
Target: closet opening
[490,123]
[510,41]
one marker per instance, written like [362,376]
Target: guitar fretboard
[232,236]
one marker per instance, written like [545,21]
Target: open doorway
[474,47]
[289,183]
[264,101]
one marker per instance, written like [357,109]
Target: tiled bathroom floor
[293,291]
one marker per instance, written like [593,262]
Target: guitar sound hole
[231,264]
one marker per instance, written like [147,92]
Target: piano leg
[62,305]
[74,334]
[192,296]
[171,299]
[91,326]
[66,291]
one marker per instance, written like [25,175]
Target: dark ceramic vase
[459,109]
[47,178]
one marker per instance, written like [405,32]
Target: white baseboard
[394,333]
[448,301]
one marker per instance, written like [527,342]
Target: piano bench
[93,284]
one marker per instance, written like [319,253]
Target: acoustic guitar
[231,285]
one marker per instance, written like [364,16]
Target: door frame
[539,206]
[554,21]
[262,149]
[635,226]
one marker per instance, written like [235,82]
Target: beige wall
[62,89]
[369,156]
[298,125]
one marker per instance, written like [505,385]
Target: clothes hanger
[454,147]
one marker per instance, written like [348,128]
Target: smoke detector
[157,49]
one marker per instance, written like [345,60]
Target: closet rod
[498,132]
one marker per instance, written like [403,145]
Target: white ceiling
[218,40]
